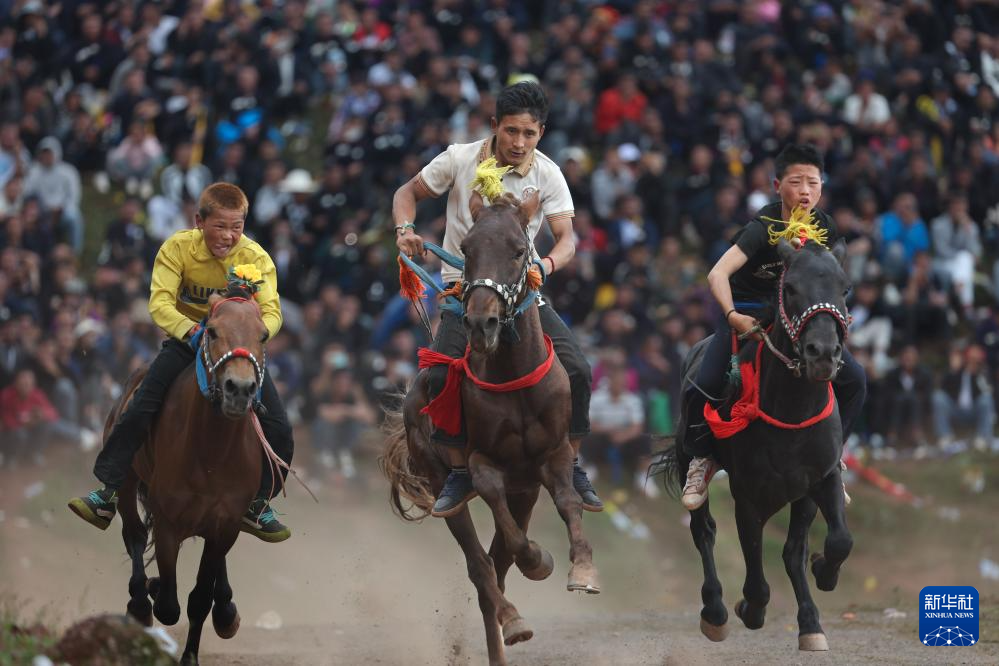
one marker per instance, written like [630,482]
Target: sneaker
[581,482]
[454,495]
[97,508]
[260,521]
[699,474]
[646,486]
[347,467]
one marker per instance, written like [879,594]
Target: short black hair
[798,153]
[523,97]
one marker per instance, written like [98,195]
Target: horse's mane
[237,290]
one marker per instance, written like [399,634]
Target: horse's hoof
[813,642]
[740,612]
[543,570]
[227,632]
[714,634]
[516,631]
[583,578]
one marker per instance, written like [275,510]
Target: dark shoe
[97,508]
[454,496]
[581,482]
[261,522]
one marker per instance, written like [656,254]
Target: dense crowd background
[665,118]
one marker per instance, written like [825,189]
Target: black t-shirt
[756,281]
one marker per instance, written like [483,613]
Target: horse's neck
[513,360]
[226,434]
[782,395]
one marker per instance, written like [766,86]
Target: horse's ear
[785,250]
[529,206]
[475,205]
[213,299]
[839,251]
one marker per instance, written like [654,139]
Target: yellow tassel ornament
[801,226]
[489,179]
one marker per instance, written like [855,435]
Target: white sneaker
[699,474]
[645,485]
[347,464]
[327,460]
[88,439]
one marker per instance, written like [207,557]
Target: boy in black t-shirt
[744,282]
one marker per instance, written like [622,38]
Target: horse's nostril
[229,386]
[838,350]
[492,323]
[465,322]
[253,388]
[811,349]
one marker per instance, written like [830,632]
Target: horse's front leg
[134,533]
[828,494]
[714,617]
[532,560]
[556,475]
[752,608]
[163,589]
[502,622]
[810,634]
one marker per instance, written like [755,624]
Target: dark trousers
[130,431]
[451,340]
[850,387]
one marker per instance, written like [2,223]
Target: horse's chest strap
[445,409]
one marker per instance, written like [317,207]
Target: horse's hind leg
[752,609]
[829,496]
[134,534]
[521,505]
[810,635]
[502,622]
[530,558]
[225,617]
[199,602]
[556,475]
[714,617]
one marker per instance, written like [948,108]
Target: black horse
[770,465]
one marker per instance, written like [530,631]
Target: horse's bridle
[212,367]
[508,293]
[794,326]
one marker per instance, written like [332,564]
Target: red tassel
[534,278]
[410,285]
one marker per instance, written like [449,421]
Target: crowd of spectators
[665,118]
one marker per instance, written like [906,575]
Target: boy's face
[222,229]
[516,136]
[800,186]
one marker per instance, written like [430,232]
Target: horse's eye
[211,333]
[520,253]
[266,336]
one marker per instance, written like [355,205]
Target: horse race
[450,333]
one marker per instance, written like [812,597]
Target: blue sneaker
[581,482]
[455,494]
[260,521]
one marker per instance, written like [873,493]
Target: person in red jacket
[618,104]
[27,415]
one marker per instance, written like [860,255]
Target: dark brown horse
[790,454]
[197,473]
[517,441]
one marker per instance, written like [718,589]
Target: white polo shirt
[454,170]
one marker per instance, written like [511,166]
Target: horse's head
[233,349]
[497,256]
[812,305]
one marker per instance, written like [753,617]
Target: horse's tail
[410,493]
[142,494]
[667,463]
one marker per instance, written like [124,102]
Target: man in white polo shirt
[521,112]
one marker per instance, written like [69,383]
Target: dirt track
[358,586]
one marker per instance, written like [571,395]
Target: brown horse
[197,473]
[518,440]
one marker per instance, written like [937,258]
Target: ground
[355,585]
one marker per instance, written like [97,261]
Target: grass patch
[22,636]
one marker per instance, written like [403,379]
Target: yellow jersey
[186,273]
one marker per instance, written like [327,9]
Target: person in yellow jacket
[189,267]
